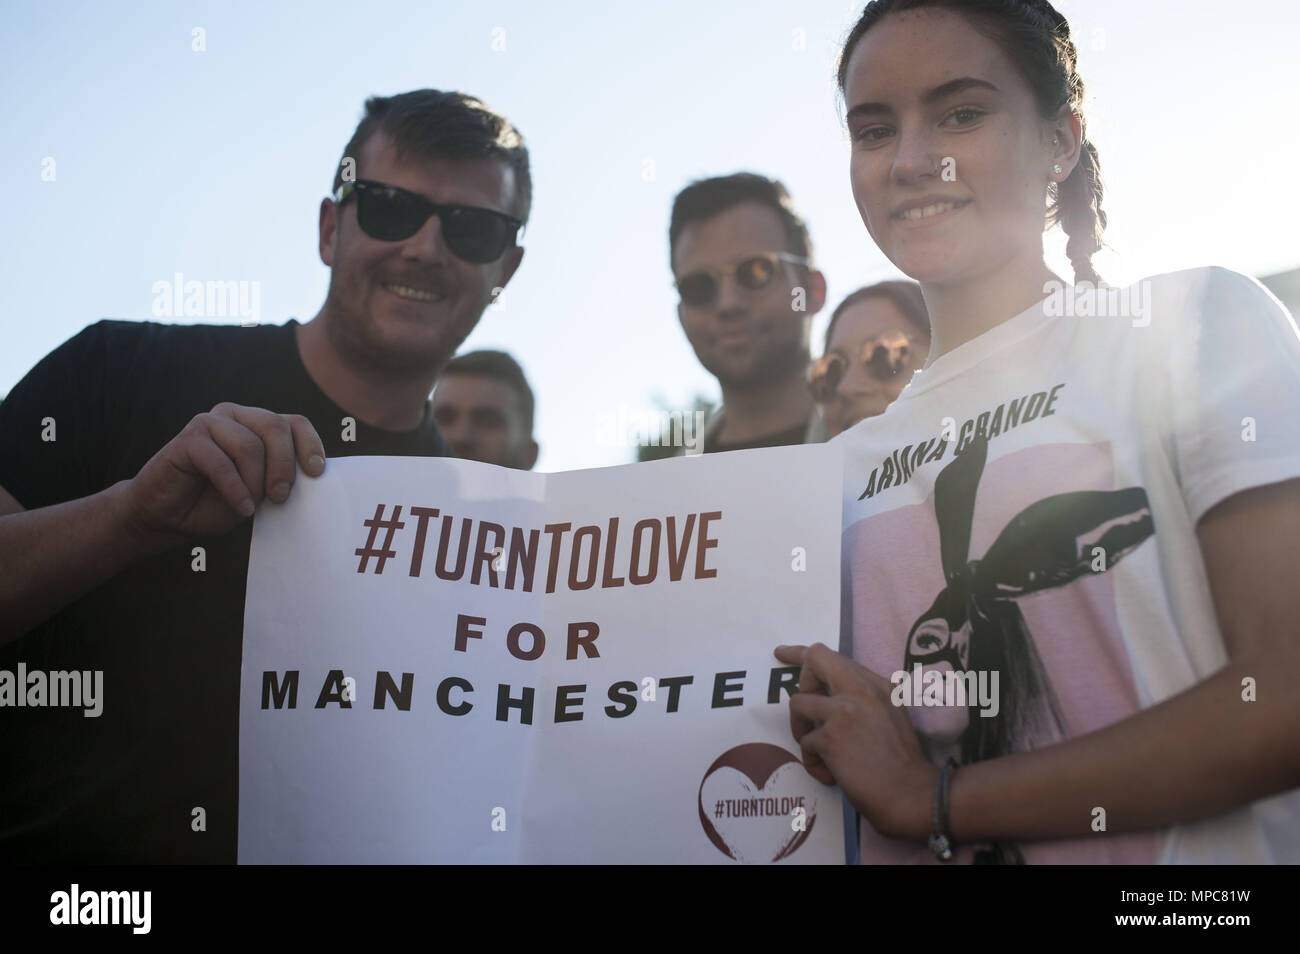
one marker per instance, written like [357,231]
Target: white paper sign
[518,667]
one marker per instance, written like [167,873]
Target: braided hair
[1036,39]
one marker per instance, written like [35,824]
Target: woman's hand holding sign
[852,735]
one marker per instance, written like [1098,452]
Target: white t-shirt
[1069,533]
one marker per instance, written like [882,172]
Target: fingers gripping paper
[450,661]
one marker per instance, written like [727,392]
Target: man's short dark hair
[432,123]
[705,198]
[499,365]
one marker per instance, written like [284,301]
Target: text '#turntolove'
[580,558]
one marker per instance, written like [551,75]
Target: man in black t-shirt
[132,456]
[742,260]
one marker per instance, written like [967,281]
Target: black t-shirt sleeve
[54,423]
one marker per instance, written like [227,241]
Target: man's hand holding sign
[218,469]
[203,482]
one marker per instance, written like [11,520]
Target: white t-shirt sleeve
[1234,388]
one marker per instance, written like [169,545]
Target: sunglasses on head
[700,288]
[390,214]
[883,356]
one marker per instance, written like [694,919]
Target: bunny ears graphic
[1047,544]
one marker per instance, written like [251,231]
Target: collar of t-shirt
[793,435]
[393,441]
[978,349]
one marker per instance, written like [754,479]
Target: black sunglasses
[700,288]
[390,214]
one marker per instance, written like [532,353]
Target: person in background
[742,262]
[876,340]
[484,408]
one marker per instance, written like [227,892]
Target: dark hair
[705,198]
[430,122]
[1036,39]
[905,295]
[499,365]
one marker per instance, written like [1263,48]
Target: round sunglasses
[883,356]
[699,288]
[392,214]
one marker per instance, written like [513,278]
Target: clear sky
[213,163]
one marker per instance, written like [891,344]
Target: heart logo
[757,803]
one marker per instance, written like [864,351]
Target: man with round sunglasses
[124,543]
[743,266]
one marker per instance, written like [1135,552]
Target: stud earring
[1057,168]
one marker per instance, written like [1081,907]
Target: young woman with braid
[1071,544]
